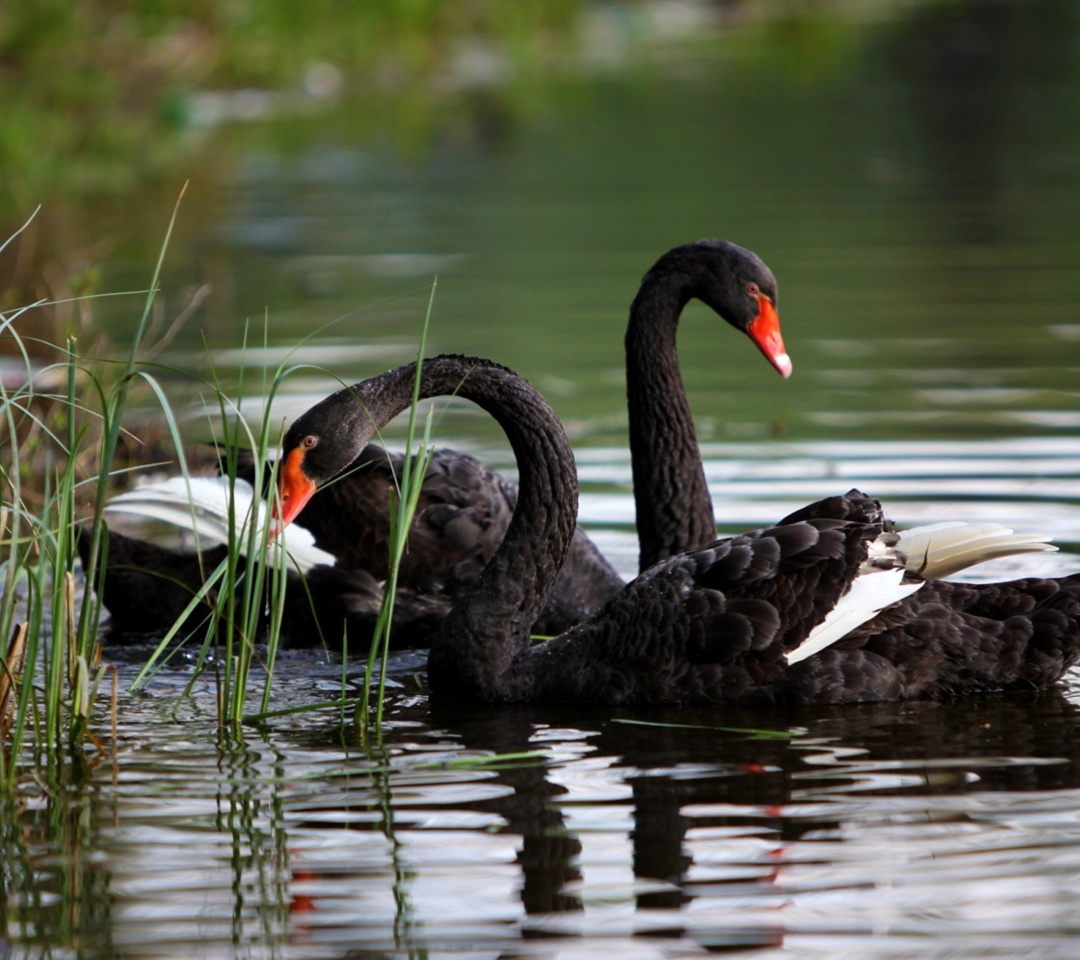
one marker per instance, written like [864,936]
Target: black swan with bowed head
[817,609]
[462,514]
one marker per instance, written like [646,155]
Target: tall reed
[408,489]
[242,599]
[52,669]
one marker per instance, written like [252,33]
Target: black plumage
[715,623]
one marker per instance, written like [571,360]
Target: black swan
[465,508]
[674,510]
[764,617]
[461,517]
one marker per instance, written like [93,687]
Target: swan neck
[489,626]
[674,510]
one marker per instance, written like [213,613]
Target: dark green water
[914,182]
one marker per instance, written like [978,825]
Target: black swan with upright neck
[674,509]
[761,617]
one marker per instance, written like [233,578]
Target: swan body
[733,620]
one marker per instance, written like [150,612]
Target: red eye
[309,441]
[752,289]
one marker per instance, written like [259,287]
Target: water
[934,830]
[913,184]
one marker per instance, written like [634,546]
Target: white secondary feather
[870,593]
[200,505]
[939,550]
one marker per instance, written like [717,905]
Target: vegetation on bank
[107,100]
[104,97]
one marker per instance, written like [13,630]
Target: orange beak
[764,330]
[294,490]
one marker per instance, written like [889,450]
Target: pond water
[913,181]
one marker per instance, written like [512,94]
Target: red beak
[295,489]
[764,330]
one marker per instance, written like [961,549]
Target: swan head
[321,443]
[740,287]
[733,281]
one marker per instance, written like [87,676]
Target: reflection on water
[935,830]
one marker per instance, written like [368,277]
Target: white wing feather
[938,550]
[869,594]
[932,552]
[200,505]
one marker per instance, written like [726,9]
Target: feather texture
[939,550]
[733,620]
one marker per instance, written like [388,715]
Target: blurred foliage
[96,95]
[102,97]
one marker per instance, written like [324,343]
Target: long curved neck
[489,626]
[674,510]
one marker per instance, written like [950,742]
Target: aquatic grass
[245,599]
[39,593]
[413,471]
[244,594]
[53,673]
[753,733]
[11,669]
[250,605]
[406,495]
[113,404]
[489,761]
[49,689]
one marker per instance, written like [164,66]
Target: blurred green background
[910,170]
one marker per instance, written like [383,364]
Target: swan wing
[199,505]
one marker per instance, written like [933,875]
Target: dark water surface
[914,181]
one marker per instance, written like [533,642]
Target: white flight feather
[932,552]
[201,506]
[938,550]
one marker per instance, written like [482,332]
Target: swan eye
[309,441]
[752,289]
